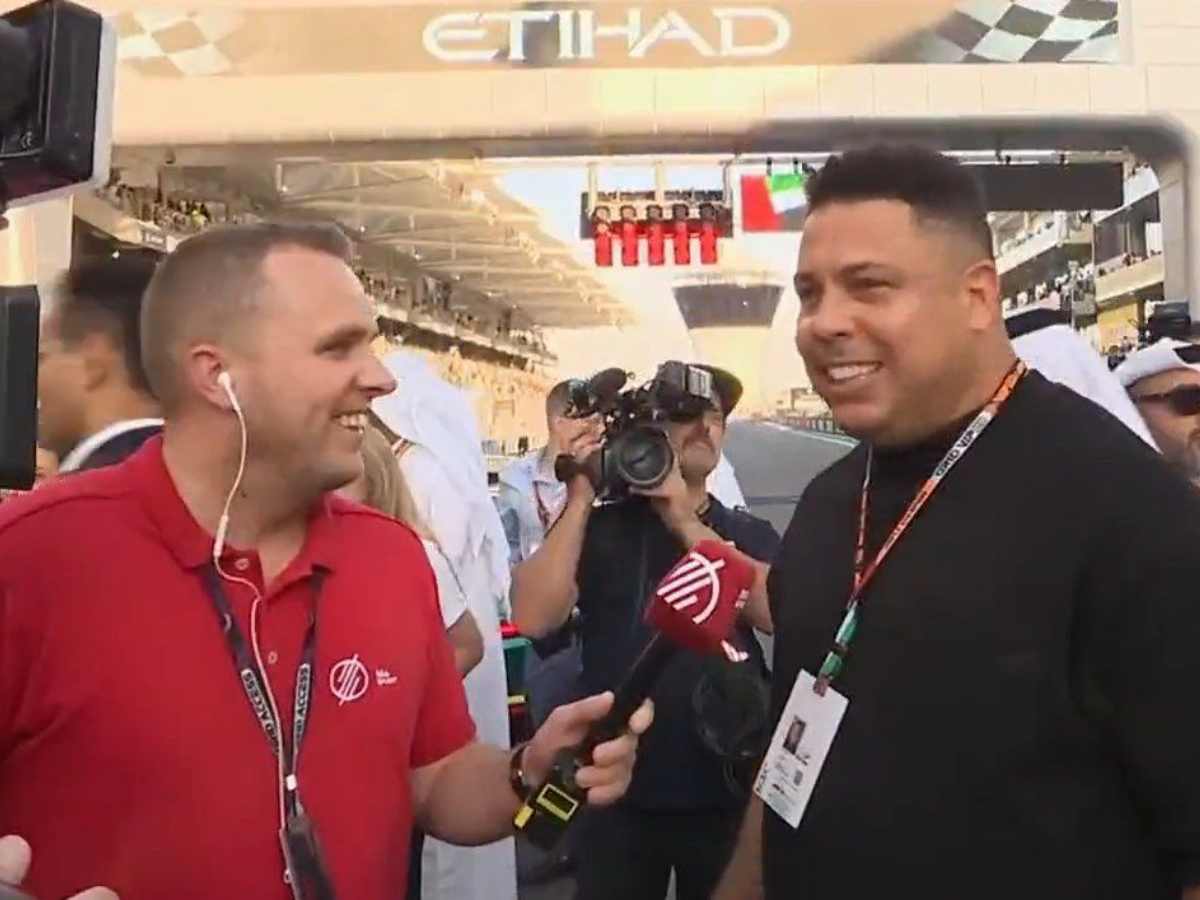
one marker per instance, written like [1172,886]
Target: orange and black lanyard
[864,573]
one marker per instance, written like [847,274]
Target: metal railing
[817,424]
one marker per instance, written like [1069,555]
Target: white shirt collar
[89,445]
[543,469]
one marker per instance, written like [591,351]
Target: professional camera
[636,452]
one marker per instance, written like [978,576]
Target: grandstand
[1105,268]
[487,342]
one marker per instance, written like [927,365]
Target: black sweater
[1024,717]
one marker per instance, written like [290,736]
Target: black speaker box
[19,316]
[56,85]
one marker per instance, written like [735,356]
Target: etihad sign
[722,32]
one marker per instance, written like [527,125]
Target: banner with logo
[487,34]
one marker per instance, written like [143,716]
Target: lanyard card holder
[305,865]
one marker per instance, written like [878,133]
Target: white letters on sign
[478,37]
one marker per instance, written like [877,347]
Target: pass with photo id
[798,749]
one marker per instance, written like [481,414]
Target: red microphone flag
[697,601]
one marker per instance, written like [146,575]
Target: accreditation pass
[798,749]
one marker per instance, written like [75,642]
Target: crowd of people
[433,304]
[982,662]
[177,215]
[507,401]
[506,388]
[1124,261]
[182,215]
[1064,223]
[1076,285]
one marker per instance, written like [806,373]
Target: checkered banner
[349,38]
[176,43]
[1018,31]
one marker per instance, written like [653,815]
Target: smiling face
[891,311]
[305,374]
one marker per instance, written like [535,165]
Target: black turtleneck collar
[919,460]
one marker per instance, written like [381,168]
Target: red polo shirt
[129,756]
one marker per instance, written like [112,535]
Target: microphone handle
[628,696]
[565,467]
[550,808]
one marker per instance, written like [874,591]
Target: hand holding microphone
[694,607]
[605,776]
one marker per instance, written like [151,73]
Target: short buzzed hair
[209,284]
[939,189]
[103,295]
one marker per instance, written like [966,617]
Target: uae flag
[773,202]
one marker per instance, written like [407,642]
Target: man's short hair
[939,189]
[103,295]
[209,285]
[558,400]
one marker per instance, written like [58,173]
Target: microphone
[694,608]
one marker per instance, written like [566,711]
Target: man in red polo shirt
[218,680]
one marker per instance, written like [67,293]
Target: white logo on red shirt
[348,680]
[383,676]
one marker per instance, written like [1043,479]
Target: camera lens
[643,457]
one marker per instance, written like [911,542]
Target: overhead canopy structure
[448,221]
[452,221]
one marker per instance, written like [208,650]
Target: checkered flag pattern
[1018,31]
[216,41]
[177,43]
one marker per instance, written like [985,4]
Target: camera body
[636,452]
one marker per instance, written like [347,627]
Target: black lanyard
[304,868]
[254,682]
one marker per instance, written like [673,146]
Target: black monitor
[57,64]
[19,315]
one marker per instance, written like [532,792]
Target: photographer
[682,810]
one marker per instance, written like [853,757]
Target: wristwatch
[516,771]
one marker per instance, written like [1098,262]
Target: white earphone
[225,380]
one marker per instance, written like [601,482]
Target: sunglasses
[1183,401]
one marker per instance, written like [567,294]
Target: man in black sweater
[1012,700]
